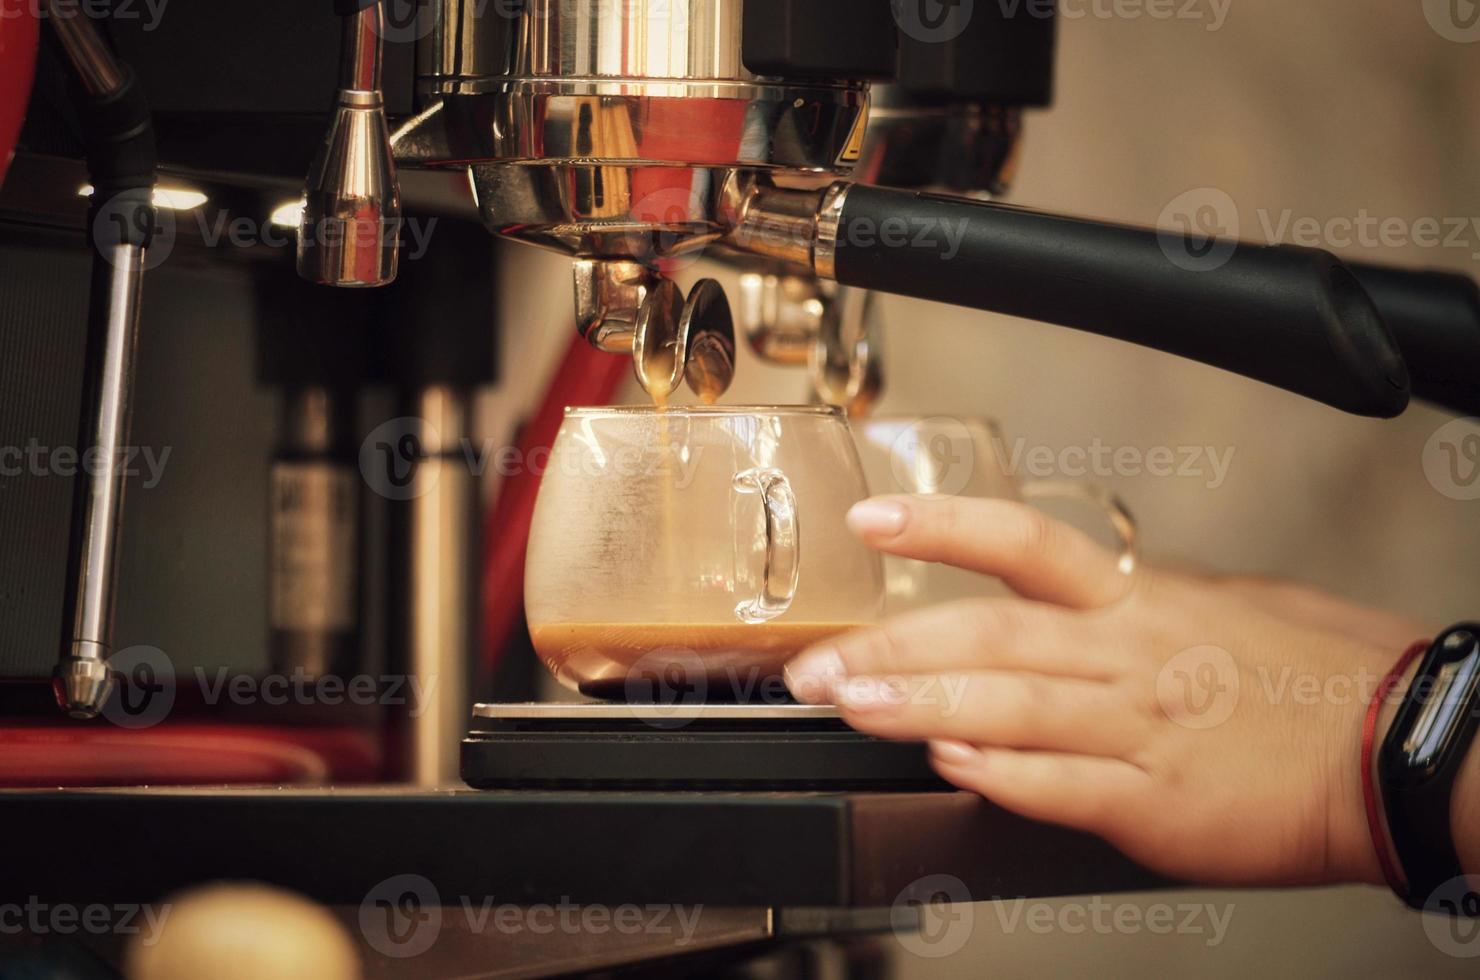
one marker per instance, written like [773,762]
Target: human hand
[1210,729]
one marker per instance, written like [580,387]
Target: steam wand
[121,164]
[349,234]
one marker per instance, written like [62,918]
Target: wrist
[1352,856]
[1428,781]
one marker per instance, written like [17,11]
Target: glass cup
[947,456]
[703,547]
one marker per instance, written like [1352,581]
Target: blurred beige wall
[1324,108]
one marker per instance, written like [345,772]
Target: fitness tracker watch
[1423,754]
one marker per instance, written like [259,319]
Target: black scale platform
[692,747]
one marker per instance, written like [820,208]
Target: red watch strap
[1380,843]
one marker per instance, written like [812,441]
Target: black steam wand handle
[1435,317]
[1291,317]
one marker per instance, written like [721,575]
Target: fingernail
[812,676]
[954,753]
[881,517]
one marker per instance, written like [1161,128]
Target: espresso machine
[828,149]
[631,136]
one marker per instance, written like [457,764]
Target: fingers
[973,634]
[1100,796]
[1038,557]
[1014,710]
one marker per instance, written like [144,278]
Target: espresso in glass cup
[697,549]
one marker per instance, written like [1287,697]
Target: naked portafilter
[633,136]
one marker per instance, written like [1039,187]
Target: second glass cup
[950,457]
[703,547]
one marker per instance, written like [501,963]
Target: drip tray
[684,747]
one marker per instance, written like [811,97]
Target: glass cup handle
[783,566]
[1120,517]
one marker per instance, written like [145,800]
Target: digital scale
[756,747]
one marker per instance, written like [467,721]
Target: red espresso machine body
[19,30]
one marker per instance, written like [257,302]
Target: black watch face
[1442,703]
